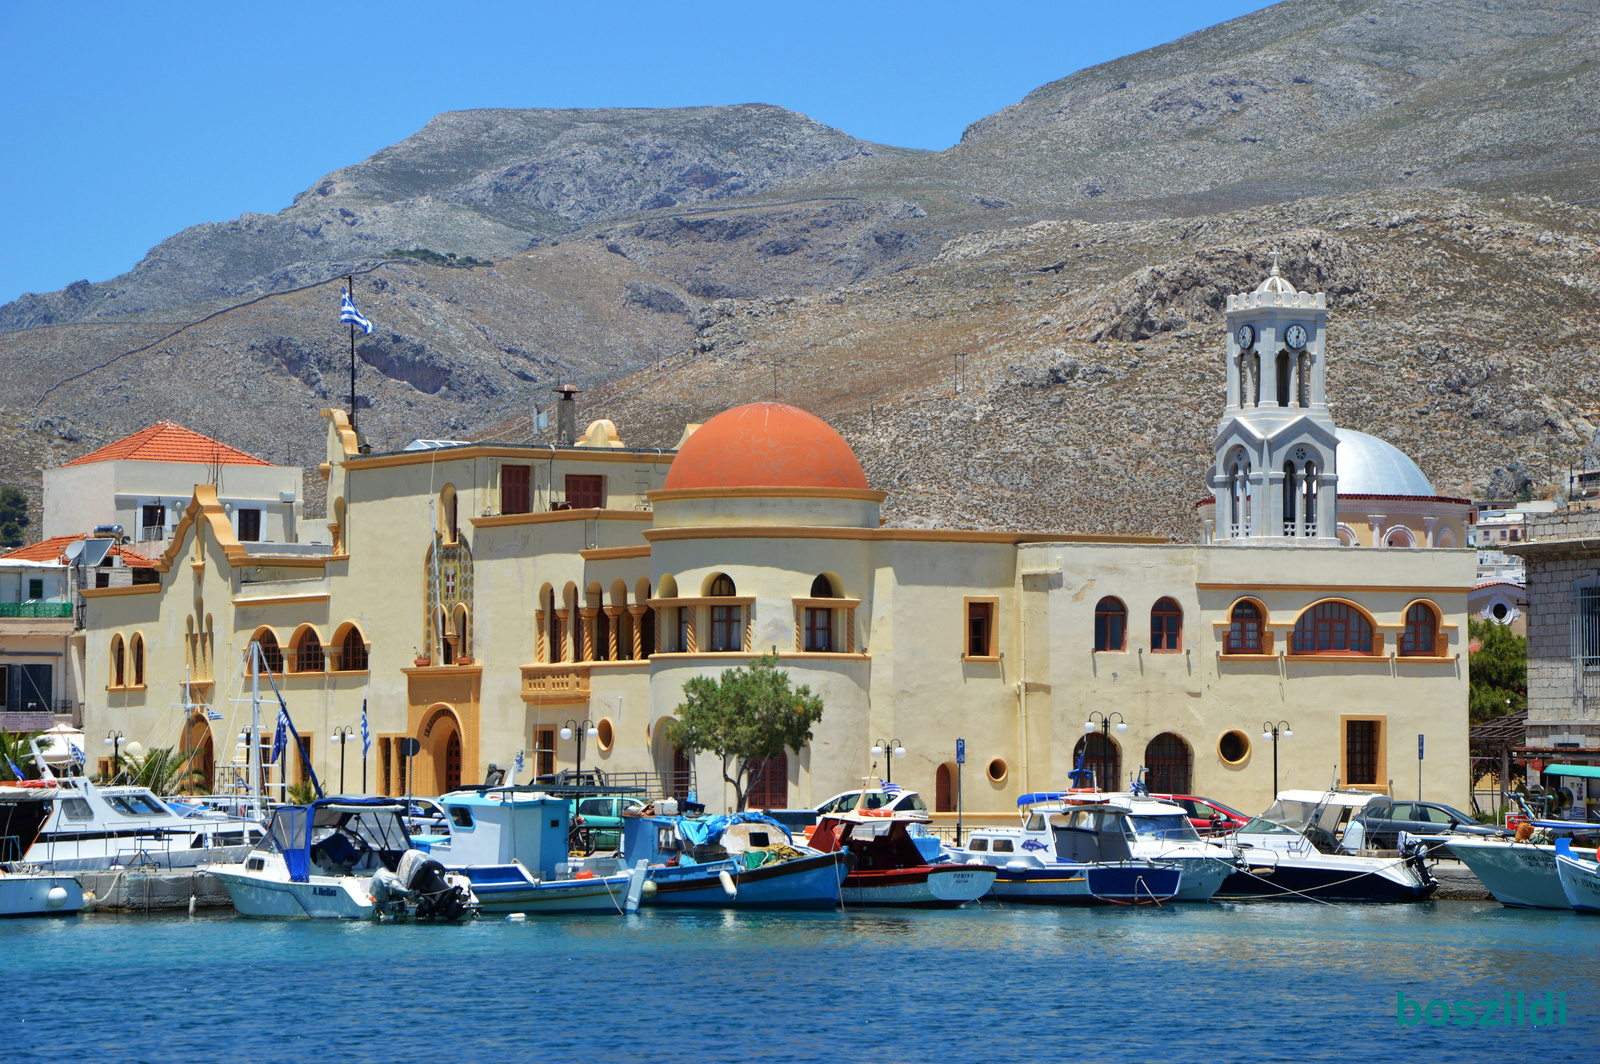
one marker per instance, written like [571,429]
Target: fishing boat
[511,845]
[39,894]
[890,868]
[1309,845]
[1580,878]
[737,861]
[344,858]
[1080,856]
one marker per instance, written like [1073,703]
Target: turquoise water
[1241,982]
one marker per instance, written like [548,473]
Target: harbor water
[1219,982]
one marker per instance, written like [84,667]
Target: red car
[1209,817]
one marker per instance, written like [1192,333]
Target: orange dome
[765,445]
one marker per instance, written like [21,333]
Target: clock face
[1247,336]
[1295,337]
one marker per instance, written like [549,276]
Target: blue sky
[120,124]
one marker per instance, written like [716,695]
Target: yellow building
[489,599]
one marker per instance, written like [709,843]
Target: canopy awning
[1587,771]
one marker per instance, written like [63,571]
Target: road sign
[1419,746]
[961,751]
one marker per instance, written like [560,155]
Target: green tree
[13,516]
[1497,673]
[14,750]
[747,717]
[164,770]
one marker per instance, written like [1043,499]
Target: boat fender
[1019,866]
[976,860]
[88,902]
[649,888]
[56,898]
[728,886]
[516,918]
[585,874]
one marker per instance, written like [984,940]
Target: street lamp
[894,748]
[342,737]
[114,740]
[1104,728]
[580,729]
[1271,731]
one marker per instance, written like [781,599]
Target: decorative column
[538,636]
[1375,522]
[588,613]
[637,613]
[562,617]
[850,631]
[612,613]
[1430,522]
[1303,500]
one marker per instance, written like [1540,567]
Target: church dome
[765,445]
[1369,466]
[1276,282]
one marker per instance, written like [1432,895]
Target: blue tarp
[703,829]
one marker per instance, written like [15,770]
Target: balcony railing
[152,533]
[35,609]
[555,683]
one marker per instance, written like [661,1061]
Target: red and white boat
[890,869]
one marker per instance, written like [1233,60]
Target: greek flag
[891,788]
[212,714]
[366,736]
[349,313]
[280,737]
[516,767]
[77,754]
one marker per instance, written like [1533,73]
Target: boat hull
[1520,875]
[321,898]
[23,894]
[1087,885]
[1295,879]
[803,883]
[1580,882]
[1202,877]
[928,886]
[500,890]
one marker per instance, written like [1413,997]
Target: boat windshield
[1173,828]
[136,805]
[1293,814]
[1262,826]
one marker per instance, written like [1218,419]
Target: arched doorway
[944,789]
[1102,757]
[200,748]
[441,746]
[1171,764]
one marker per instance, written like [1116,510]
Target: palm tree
[14,750]
[164,770]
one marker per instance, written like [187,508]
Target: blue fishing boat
[739,861]
[511,843]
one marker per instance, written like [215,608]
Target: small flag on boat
[212,714]
[280,737]
[891,788]
[78,754]
[366,736]
[349,313]
[15,771]
[516,767]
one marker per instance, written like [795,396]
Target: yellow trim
[1380,781]
[993,602]
[279,600]
[828,603]
[703,600]
[912,535]
[671,494]
[347,434]
[431,670]
[587,514]
[1324,588]
[1343,602]
[606,554]
[127,589]
[527,454]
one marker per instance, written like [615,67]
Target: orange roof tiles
[765,445]
[54,551]
[167,441]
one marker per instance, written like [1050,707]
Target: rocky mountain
[1432,164]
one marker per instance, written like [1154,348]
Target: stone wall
[1565,549]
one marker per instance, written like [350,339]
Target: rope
[1325,886]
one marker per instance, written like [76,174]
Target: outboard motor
[423,876]
[1416,853]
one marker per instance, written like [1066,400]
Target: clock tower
[1276,472]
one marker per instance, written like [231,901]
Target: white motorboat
[1308,845]
[39,894]
[511,845]
[343,858]
[1580,878]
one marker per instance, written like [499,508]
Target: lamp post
[114,740]
[1103,726]
[580,729]
[893,748]
[1271,731]
[341,736]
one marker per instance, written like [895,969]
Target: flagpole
[350,287]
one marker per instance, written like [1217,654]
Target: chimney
[566,416]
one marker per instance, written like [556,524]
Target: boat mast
[255,721]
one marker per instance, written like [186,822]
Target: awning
[1588,771]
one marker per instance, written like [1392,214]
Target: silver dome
[1369,466]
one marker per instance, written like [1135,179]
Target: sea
[1248,982]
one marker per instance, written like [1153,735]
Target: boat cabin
[337,837]
[499,826]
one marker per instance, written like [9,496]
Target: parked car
[1383,822]
[903,801]
[1208,817]
[601,819]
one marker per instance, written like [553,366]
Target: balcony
[555,684]
[35,609]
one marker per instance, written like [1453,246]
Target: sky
[121,124]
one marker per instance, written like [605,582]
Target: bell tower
[1275,476]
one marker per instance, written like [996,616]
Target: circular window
[608,734]
[1500,611]
[998,770]
[1234,747]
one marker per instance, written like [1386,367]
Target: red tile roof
[167,441]
[54,551]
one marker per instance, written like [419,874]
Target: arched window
[1289,494]
[119,662]
[271,653]
[727,622]
[353,651]
[819,619]
[1421,638]
[1110,625]
[461,632]
[1332,628]
[136,656]
[1102,756]
[308,656]
[1239,495]
[1255,379]
[1244,629]
[1305,378]
[449,524]
[1283,378]
[1171,764]
[1166,627]
[1311,498]
[944,789]
[1399,536]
